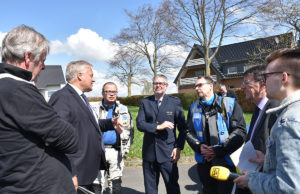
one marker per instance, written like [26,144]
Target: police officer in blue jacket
[215,128]
[158,117]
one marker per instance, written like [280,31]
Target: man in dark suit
[158,117]
[224,92]
[72,105]
[261,123]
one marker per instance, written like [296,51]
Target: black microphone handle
[233,176]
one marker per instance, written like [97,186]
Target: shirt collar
[262,103]
[79,92]
[106,105]
[161,99]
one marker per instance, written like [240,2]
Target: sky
[82,30]
[77,29]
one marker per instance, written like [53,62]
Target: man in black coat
[71,104]
[158,117]
[261,123]
[33,138]
[226,92]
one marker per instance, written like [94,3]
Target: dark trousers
[242,191]
[169,172]
[210,185]
[93,188]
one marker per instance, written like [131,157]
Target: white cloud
[85,44]
[2,35]
[176,52]
[88,45]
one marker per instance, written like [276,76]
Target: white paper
[240,157]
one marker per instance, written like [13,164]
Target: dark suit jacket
[159,144]
[263,127]
[90,157]
[230,93]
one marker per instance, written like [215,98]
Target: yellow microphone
[223,174]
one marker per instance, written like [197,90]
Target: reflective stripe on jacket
[227,105]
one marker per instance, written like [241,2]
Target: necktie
[253,120]
[87,103]
[90,109]
[158,103]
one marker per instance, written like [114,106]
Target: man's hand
[165,125]
[117,124]
[242,179]
[260,158]
[75,182]
[175,155]
[208,152]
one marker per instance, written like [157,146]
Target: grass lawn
[136,148]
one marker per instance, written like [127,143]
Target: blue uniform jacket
[159,144]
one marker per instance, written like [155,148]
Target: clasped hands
[208,152]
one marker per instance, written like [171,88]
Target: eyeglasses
[110,92]
[199,85]
[159,83]
[247,82]
[266,75]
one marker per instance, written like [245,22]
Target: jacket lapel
[260,121]
[83,106]
[163,103]
[154,105]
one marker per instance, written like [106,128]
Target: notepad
[240,158]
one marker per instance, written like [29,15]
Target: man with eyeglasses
[281,163]
[116,145]
[215,128]
[255,91]
[158,117]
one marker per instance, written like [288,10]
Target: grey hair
[160,75]
[75,67]
[20,40]
[109,83]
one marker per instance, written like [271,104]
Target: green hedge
[188,98]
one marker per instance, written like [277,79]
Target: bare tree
[147,88]
[282,13]
[264,48]
[208,22]
[151,35]
[126,65]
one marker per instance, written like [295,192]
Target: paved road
[133,181]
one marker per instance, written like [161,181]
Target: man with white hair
[72,105]
[33,138]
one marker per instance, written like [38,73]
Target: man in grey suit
[71,104]
[158,117]
[261,123]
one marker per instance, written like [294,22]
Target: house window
[50,93]
[199,73]
[232,70]
[246,67]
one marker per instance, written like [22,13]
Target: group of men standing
[71,146]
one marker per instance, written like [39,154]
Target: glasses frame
[247,82]
[110,92]
[200,85]
[159,83]
[266,75]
